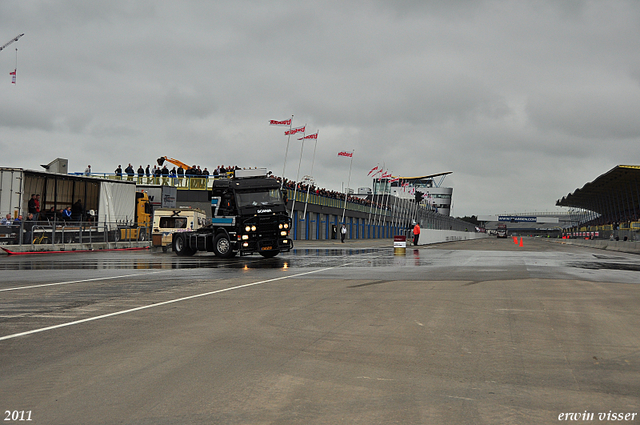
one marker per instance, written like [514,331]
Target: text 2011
[17,415]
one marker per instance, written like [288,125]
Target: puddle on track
[297,258]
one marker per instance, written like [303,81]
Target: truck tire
[222,246]
[180,246]
[270,254]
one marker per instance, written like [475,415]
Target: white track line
[144,307]
[80,281]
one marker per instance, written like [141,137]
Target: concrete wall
[429,236]
[622,246]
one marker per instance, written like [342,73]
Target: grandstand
[609,206]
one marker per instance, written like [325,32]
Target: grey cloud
[588,113]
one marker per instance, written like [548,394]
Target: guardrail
[72,232]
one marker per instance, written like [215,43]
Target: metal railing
[61,233]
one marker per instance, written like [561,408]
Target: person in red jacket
[416,234]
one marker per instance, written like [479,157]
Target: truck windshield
[259,198]
[173,223]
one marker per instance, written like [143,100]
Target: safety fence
[38,233]
[182,183]
[393,217]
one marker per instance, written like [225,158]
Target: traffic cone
[515,240]
[520,240]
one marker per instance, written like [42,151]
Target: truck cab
[167,221]
[501,231]
[248,216]
[139,229]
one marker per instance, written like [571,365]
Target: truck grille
[267,224]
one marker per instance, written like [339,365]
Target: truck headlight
[253,228]
[281,226]
[245,237]
[247,229]
[286,225]
[283,233]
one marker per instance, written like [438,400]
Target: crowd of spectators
[174,172]
[332,194]
[221,170]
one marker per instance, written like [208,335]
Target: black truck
[248,216]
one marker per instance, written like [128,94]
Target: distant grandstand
[436,197]
[609,205]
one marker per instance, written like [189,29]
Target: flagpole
[372,195]
[395,204]
[375,211]
[286,152]
[295,190]
[344,209]
[382,200]
[381,203]
[15,75]
[306,201]
[385,203]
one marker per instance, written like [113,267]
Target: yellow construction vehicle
[140,229]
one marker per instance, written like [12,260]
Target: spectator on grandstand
[66,214]
[6,221]
[129,171]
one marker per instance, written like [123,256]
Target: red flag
[295,130]
[311,136]
[13,76]
[343,153]
[285,122]
[393,180]
[385,175]
[372,170]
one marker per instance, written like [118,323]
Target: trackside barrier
[81,235]
[399,245]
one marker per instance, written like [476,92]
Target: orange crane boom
[174,161]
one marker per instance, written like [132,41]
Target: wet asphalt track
[468,332]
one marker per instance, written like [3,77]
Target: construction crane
[11,41]
[174,161]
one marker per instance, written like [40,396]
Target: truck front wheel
[180,246]
[222,246]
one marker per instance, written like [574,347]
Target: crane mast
[11,41]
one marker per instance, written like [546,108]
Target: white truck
[167,221]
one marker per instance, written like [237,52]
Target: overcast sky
[524,101]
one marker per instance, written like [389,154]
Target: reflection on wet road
[318,257]
[300,258]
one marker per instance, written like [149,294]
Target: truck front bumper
[263,245]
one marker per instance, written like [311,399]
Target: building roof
[615,192]
[424,177]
